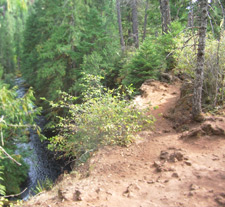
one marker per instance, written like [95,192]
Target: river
[41,163]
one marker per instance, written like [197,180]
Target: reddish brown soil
[190,173]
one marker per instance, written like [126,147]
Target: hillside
[159,170]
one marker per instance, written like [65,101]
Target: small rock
[186,158]
[176,156]
[157,164]
[188,163]
[109,193]
[175,175]
[190,194]
[171,169]
[77,196]
[61,195]
[151,182]
[98,190]
[164,155]
[166,131]
[194,187]
[172,155]
[131,189]
[144,178]
[220,199]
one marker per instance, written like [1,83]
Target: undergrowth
[106,117]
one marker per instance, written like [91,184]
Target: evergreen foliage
[151,58]
[12,18]
[60,42]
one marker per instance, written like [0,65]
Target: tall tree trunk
[135,23]
[120,25]
[197,96]
[145,21]
[165,15]
[191,15]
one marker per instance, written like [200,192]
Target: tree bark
[199,74]
[165,15]
[120,25]
[146,18]
[135,23]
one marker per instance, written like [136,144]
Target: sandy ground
[159,170]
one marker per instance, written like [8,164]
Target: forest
[83,61]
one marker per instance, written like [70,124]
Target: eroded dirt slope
[159,170]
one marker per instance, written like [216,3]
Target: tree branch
[8,196]
[10,157]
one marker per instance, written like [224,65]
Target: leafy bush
[105,118]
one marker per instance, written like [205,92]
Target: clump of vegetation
[214,82]
[153,57]
[43,185]
[17,114]
[106,117]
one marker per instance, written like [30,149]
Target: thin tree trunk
[166,21]
[223,12]
[211,24]
[120,25]
[217,73]
[197,96]
[222,30]
[145,21]
[218,60]
[165,15]
[135,23]
[191,15]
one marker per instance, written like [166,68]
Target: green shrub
[105,118]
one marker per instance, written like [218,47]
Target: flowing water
[41,164]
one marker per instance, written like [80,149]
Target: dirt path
[159,170]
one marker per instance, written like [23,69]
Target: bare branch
[15,195]
[10,157]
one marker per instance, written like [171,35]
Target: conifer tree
[197,96]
